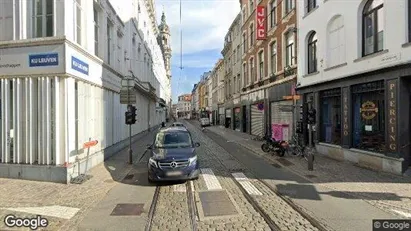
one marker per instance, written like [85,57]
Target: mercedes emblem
[173,164]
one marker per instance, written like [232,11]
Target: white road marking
[180,188]
[210,179]
[246,184]
[408,215]
[52,211]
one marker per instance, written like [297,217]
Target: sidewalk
[72,201]
[388,192]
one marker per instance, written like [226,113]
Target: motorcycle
[272,145]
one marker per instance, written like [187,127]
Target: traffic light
[131,115]
[312,114]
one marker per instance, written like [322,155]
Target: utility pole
[311,120]
[130,151]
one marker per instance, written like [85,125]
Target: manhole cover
[216,203]
[276,165]
[311,176]
[128,210]
[285,162]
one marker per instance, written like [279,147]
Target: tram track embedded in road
[191,205]
[273,226]
[152,209]
[192,209]
[257,207]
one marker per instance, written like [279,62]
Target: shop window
[368,116]
[331,116]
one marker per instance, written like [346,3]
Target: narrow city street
[237,190]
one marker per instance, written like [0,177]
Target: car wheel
[150,180]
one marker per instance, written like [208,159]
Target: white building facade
[184,106]
[61,65]
[354,63]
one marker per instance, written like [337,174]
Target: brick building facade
[268,67]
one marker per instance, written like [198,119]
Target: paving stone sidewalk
[23,193]
[386,191]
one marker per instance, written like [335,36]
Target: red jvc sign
[261,23]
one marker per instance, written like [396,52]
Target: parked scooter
[274,146]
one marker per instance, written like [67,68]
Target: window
[251,6]
[273,15]
[238,53]
[235,85]
[244,43]
[251,35]
[96,31]
[373,27]
[261,64]
[234,54]
[252,70]
[312,53]
[288,6]
[289,49]
[245,76]
[273,63]
[43,20]
[238,82]
[368,116]
[330,116]
[79,19]
[171,140]
[311,4]
[109,40]
[335,42]
[6,20]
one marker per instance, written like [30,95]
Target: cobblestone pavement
[223,165]
[24,193]
[383,190]
[172,210]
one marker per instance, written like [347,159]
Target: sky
[204,24]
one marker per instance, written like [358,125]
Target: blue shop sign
[42,60]
[78,65]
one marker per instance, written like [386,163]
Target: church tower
[164,39]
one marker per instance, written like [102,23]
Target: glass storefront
[368,116]
[237,118]
[330,116]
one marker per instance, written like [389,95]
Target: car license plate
[174,173]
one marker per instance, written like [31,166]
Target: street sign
[127,96]
[90,144]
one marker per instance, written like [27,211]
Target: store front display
[330,119]
[237,119]
[280,117]
[369,116]
[228,118]
[257,119]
